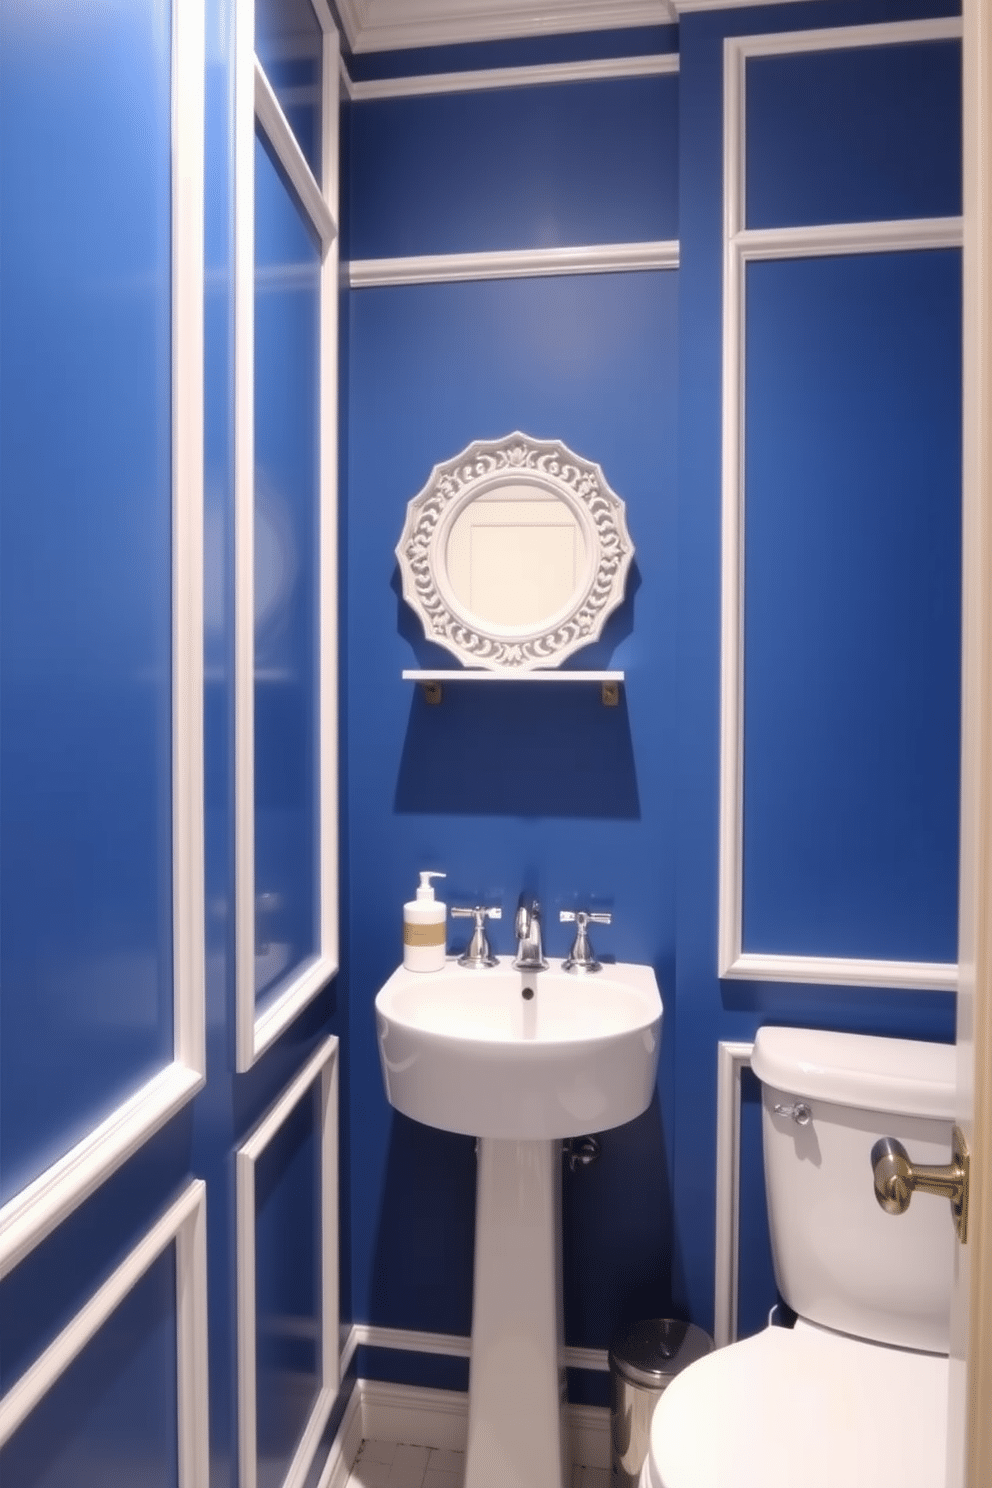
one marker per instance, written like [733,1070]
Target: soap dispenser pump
[425,926]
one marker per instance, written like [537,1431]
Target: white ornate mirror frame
[582,557]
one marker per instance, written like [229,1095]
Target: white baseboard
[439,1418]
[411,1413]
[589,1428]
[346,1443]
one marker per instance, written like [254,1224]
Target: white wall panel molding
[515,263]
[845,971]
[182,1225]
[906,234]
[320,1071]
[386,25]
[732,1059]
[741,246]
[889,33]
[255,100]
[451,1345]
[34,1212]
[31,1214]
[657,65]
[686,7]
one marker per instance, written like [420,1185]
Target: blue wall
[706,1009]
[505,790]
[510,786]
[504,787]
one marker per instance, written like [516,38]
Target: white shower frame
[255,101]
[37,1209]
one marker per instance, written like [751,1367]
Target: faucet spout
[527,925]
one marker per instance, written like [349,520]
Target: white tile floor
[399,1465]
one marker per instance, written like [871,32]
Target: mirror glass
[515,556]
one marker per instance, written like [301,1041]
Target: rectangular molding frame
[451,1345]
[541,74]
[742,246]
[320,1070]
[732,1060]
[513,263]
[256,101]
[184,1224]
[33,1213]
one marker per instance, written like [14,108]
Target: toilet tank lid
[902,1076]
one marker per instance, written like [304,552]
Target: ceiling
[382,25]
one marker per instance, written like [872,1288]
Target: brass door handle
[897,1179]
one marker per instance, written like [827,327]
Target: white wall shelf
[431,681]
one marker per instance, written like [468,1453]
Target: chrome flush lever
[800,1112]
[897,1179]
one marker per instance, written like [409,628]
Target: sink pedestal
[517,1432]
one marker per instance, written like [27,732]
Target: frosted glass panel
[112,1417]
[288,43]
[85,570]
[286,472]
[287,1292]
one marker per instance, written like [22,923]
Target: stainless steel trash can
[643,1362]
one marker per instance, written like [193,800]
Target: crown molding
[479,80]
[391,25]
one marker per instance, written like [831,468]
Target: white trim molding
[320,1071]
[439,1419]
[347,1440]
[742,246]
[513,263]
[732,1060]
[183,1224]
[34,1212]
[278,132]
[389,25]
[969,1433]
[256,102]
[607,69]
[451,1345]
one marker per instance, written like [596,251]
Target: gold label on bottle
[423,935]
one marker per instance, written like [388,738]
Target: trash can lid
[653,1352]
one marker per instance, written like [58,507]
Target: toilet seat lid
[803,1406]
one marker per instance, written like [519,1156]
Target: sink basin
[471,1051]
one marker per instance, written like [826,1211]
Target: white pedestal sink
[520,1060]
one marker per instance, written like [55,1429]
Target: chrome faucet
[530,955]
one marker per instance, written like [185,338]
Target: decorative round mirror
[514,553]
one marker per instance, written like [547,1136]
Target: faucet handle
[581,957]
[477,954]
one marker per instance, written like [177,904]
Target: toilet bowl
[855,1394]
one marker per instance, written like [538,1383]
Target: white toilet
[855,1395]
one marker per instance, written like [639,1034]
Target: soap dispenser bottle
[425,926]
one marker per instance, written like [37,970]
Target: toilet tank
[840,1260]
